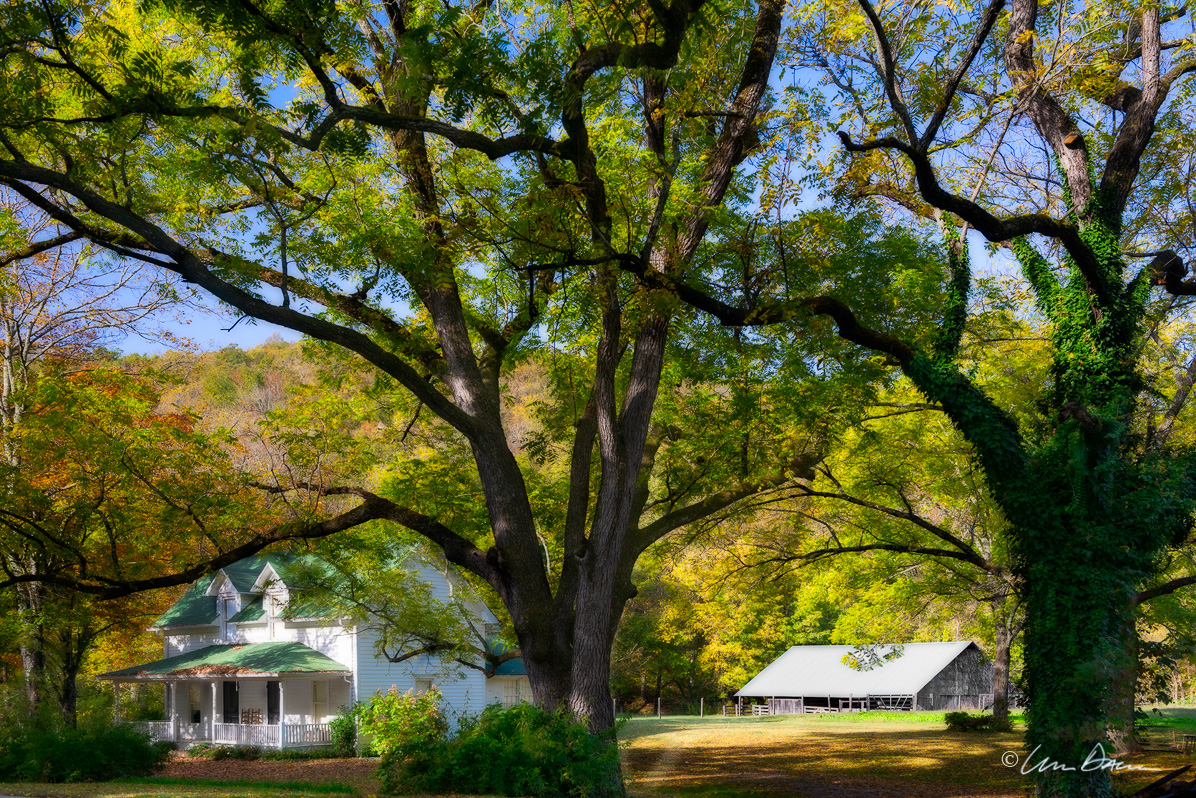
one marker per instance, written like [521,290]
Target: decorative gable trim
[268,580]
[219,581]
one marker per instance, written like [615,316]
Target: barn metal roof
[820,670]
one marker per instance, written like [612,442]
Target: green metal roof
[192,608]
[195,608]
[253,611]
[298,608]
[248,659]
[512,667]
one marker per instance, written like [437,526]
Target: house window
[319,701]
[424,684]
[514,691]
[274,609]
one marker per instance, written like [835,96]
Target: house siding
[183,643]
[333,641]
[463,689]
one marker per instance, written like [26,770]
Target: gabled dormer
[229,601]
[273,595]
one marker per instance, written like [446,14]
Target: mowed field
[849,756]
[835,756]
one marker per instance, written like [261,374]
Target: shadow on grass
[828,758]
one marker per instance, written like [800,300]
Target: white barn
[918,676]
[245,662]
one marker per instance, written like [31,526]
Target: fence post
[658,707]
[701,707]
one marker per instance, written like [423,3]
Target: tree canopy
[613,194]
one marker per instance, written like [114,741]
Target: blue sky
[208,329]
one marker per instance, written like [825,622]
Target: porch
[262,695]
[279,735]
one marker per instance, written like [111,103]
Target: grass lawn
[861,755]
[839,756]
[169,788]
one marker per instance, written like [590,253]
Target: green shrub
[201,750]
[962,721]
[246,752]
[519,751]
[71,755]
[408,721]
[343,729]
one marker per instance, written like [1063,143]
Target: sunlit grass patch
[909,754]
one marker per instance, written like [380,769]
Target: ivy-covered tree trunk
[1002,645]
[1076,655]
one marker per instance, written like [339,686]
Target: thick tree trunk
[33,643]
[73,648]
[1076,649]
[1002,643]
[1124,700]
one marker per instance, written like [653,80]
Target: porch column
[282,714]
[212,737]
[116,710]
[174,710]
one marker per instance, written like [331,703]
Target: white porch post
[174,710]
[282,715]
[116,692]
[213,735]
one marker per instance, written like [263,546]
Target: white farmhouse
[246,662]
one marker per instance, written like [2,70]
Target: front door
[272,703]
[232,703]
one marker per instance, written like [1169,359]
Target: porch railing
[156,729]
[192,732]
[245,734]
[307,734]
[255,734]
